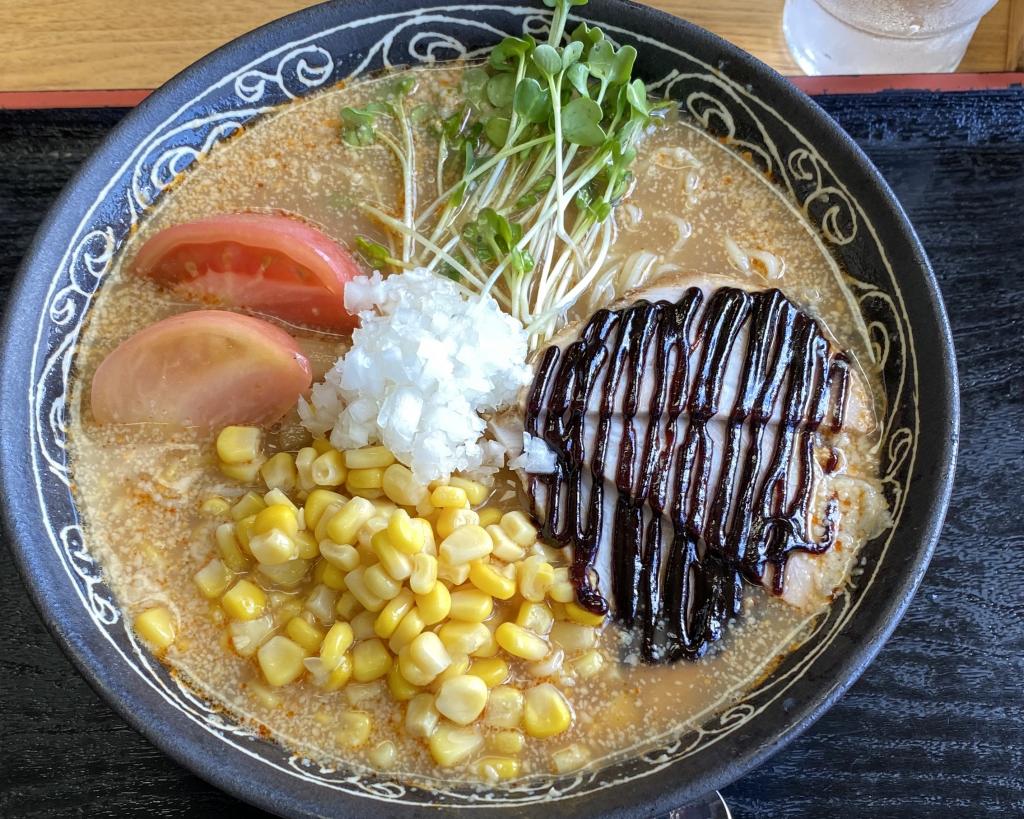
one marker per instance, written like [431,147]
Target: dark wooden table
[935,728]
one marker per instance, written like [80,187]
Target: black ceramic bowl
[735,97]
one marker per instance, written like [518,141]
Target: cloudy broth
[140,487]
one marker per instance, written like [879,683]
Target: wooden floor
[104,44]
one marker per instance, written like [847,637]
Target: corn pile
[348,569]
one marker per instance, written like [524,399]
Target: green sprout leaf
[571,54]
[505,55]
[581,122]
[496,130]
[501,88]
[547,59]
[474,86]
[532,102]
[578,74]
[533,196]
[636,95]
[588,36]
[375,254]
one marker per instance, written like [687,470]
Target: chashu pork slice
[693,424]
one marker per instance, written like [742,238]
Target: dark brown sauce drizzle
[722,531]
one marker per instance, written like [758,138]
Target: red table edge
[862,84]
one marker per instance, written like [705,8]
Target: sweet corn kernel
[471,605]
[573,637]
[448,520]
[323,522]
[306,544]
[400,486]
[492,670]
[519,642]
[321,445]
[358,693]
[328,469]
[263,695]
[429,653]
[287,575]
[301,631]
[549,666]
[363,625]
[475,491]
[369,457]
[452,744]
[534,576]
[345,524]
[434,606]
[341,555]
[339,677]
[506,742]
[320,603]
[580,615]
[401,689]
[489,580]
[588,664]
[462,699]
[412,624]
[490,516]
[249,504]
[518,527]
[562,591]
[464,545]
[213,579]
[244,601]
[424,573]
[383,755]
[464,638]
[459,666]
[156,627]
[279,472]
[239,445]
[243,473]
[453,575]
[405,535]
[353,729]
[336,642]
[347,606]
[504,548]
[215,507]
[332,576]
[280,660]
[304,467]
[273,497]
[504,707]
[425,508]
[356,583]
[570,758]
[243,530]
[317,503]
[395,563]
[412,673]
[496,768]
[429,544]
[449,497]
[273,548]
[421,717]
[361,480]
[391,615]
[490,648]
[536,617]
[248,635]
[380,583]
[546,711]
[371,660]
[284,606]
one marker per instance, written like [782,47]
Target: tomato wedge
[206,369]
[267,263]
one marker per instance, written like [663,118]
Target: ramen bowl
[734,97]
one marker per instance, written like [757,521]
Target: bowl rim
[188,750]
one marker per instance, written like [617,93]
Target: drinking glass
[880,36]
